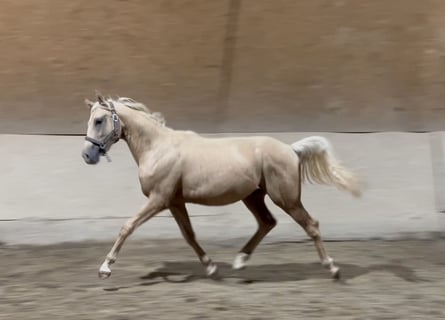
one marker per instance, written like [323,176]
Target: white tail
[319,165]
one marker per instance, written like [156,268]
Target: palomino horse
[179,167]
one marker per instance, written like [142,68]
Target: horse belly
[219,188]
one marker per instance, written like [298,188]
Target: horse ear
[100,97]
[89,103]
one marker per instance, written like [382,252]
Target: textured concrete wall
[229,65]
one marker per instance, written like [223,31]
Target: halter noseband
[113,136]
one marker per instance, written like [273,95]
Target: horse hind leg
[266,222]
[311,226]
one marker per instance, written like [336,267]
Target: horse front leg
[181,216]
[149,210]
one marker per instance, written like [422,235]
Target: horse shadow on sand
[190,271]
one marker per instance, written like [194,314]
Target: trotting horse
[179,167]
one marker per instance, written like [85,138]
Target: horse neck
[140,133]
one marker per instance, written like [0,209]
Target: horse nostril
[86,156]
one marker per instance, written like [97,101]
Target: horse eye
[98,122]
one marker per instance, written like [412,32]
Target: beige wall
[226,65]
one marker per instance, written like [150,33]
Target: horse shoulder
[159,171]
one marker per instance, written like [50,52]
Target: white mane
[133,104]
[139,106]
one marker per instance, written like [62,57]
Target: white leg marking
[205,259]
[329,263]
[104,270]
[211,269]
[240,261]
[335,272]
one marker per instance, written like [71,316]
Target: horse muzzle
[91,154]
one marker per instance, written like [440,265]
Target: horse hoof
[104,275]
[211,270]
[104,271]
[240,261]
[335,271]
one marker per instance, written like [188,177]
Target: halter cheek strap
[110,138]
